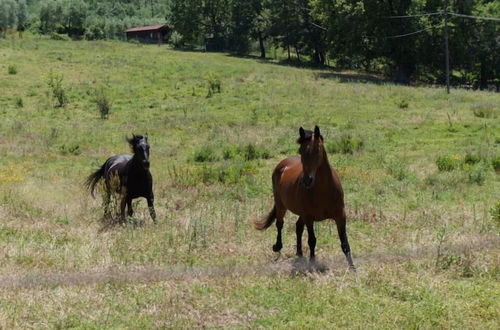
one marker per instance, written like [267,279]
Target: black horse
[127,175]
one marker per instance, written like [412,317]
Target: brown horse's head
[311,154]
[140,148]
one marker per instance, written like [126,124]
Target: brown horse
[308,186]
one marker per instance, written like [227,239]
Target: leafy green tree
[22,16]
[8,15]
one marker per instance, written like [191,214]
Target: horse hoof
[277,248]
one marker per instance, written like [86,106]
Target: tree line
[402,39]
[355,34]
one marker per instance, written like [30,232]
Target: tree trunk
[288,47]
[298,53]
[261,45]
[483,76]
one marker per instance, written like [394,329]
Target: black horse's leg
[279,226]
[344,243]
[106,202]
[123,203]
[311,239]
[299,229]
[151,208]
[130,211]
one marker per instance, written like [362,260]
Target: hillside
[417,166]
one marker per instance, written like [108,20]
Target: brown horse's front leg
[299,229]
[279,244]
[311,239]
[344,243]
[151,208]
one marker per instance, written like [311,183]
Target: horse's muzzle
[308,181]
[145,163]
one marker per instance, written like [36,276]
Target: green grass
[421,191]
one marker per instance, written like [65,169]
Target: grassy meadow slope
[417,166]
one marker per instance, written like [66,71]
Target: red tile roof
[146,28]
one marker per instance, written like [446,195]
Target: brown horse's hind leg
[344,243]
[311,239]
[299,229]
[280,213]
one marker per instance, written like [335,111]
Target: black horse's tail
[94,178]
[267,221]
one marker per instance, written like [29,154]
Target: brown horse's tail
[267,221]
[94,178]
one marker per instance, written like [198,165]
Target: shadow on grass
[111,221]
[324,71]
[302,266]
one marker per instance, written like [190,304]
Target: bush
[403,104]
[205,154]
[495,212]
[12,69]
[345,144]
[70,149]
[397,169]
[58,36]
[58,92]
[214,85]
[485,110]
[478,174]
[176,39]
[471,158]
[19,102]
[103,102]
[495,162]
[446,163]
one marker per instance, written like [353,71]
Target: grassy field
[420,170]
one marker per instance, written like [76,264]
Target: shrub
[12,69]
[103,102]
[445,163]
[70,149]
[485,110]
[205,154]
[471,158]
[58,92]
[397,169]
[229,152]
[176,39]
[345,144]
[495,212]
[403,104]
[478,174]
[58,36]
[495,162]
[19,102]
[214,85]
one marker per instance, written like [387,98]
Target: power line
[416,15]
[449,13]
[409,34]
[476,17]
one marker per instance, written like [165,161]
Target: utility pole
[446,49]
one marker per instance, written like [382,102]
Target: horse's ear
[302,133]
[317,133]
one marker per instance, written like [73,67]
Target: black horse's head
[140,147]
